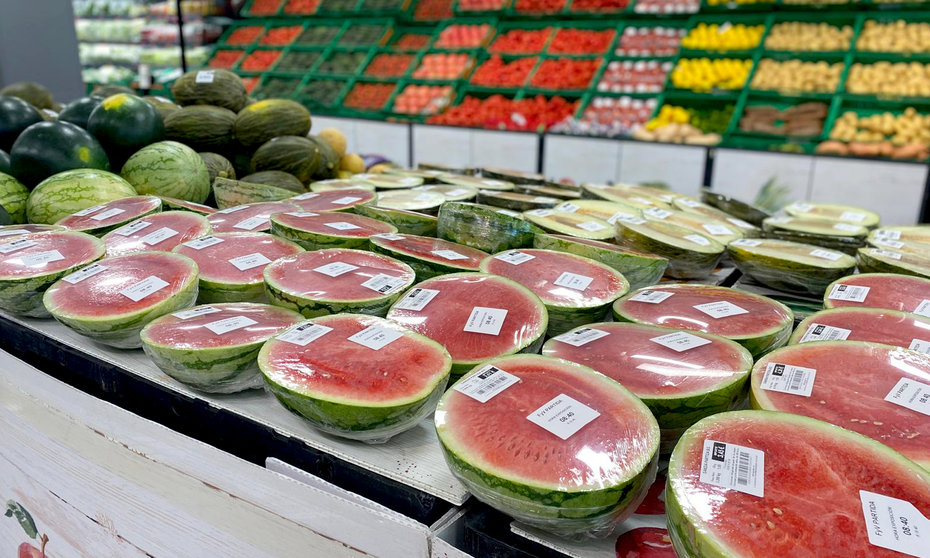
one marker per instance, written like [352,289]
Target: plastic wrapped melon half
[914,233]
[406,222]
[515,201]
[339,184]
[880,260]
[734,207]
[689,205]
[356,376]
[758,323]
[427,175]
[333,200]
[160,231]
[639,269]
[875,325]
[411,200]
[484,227]
[833,235]
[903,246]
[512,176]
[314,231]
[575,290]
[337,280]
[386,181]
[475,316]
[834,212]
[476,182]
[625,194]
[880,290]
[552,443]
[231,264]
[101,219]
[681,376]
[252,217]
[450,192]
[10,232]
[790,266]
[550,191]
[757,484]
[714,228]
[427,256]
[600,209]
[112,300]
[31,262]
[571,224]
[215,348]
[175,204]
[690,255]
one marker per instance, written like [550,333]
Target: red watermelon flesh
[886,290]
[195,207]
[645,542]
[317,223]
[192,333]
[9,232]
[443,319]
[876,325]
[161,231]
[100,294]
[249,217]
[46,253]
[425,246]
[214,263]
[333,200]
[811,507]
[297,274]
[849,389]
[111,213]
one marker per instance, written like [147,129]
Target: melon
[32,262]
[599,209]
[295,155]
[276,178]
[15,116]
[13,196]
[450,192]
[231,193]
[218,166]
[880,290]
[231,264]
[880,260]
[159,231]
[690,255]
[253,217]
[111,301]
[914,233]
[72,191]
[833,235]
[78,111]
[101,219]
[407,222]
[386,181]
[215,348]
[875,325]
[337,280]
[124,124]
[639,269]
[314,231]
[9,232]
[708,226]
[689,205]
[201,127]
[515,201]
[626,194]
[334,200]
[571,224]
[270,118]
[559,446]
[429,257]
[168,168]
[734,207]
[475,316]
[834,212]
[550,191]
[512,176]
[339,184]
[483,227]
[758,323]
[790,266]
[184,205]
[335,138]
[411,200]
[216,87]
[476,182]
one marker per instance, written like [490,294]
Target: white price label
[345,200]
[485,320]
[740,223]
[732,466]
[889,243]
[923,309]
[199,311]
[132,228]
[802,207]
[826,254]
[302,214]
[226,325]
[160,235]
[680,341]
[788,378]
[493,182]
[749,243]
[852,293]
[652,297]
[854,216]
[591,226]
[11,232]
[657,213]
[573,281]
[698,239]
[887,253]
[203,242]
[920,346]
[778,220]
[388,236]
[205,76]
[448,254]
[822,332]
[85,273]
[911,394]
[580,337]
[689,203]
[304,333]
[486,383]
[619,215]
[11,247]
[540,212]
[249,261]
[846,227]
[563,416]
[416,299]
[721,309]
[508,212]
[252,223]
[895,524]
[335,269]
[342,226]
[376,337]
[567,207]
[888,234]
[113,212]
[144,288]
[307,196]
[384,284]
[87,211]
[42,258]
[631,220]
[514,257]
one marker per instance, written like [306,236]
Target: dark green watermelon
[4,162]
[292,154]
[277,178]
[49,148]
[5,217]
[33,93]
[78,112]
[15,116]
[125,124]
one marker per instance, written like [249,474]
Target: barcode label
[888,234]
[199,311]
[567,207]
[11,247]
[680,341]
[85,273]
[740,223]
[697,239]
[252,223]
[160,235]
[540,212]
[846,227]
[113,212]
[388,236]
[826,254]
[652,297]
[631,220]
[457,192]
[821,332]
[734,467]
[514,257]
[449,254]
[788,378]
[307,196]
[579,337]
[11,232]
[895,524]
[802,207]
[87,211]
[852,293]
[887,253]
[302,214]
[304,333]
[689,203]
[889,243]
[920,346]
[486,383]
[249,261]
[384,284]
[203,242]
[416,299]
[485,320]
[657,213]
[132,228]
[619,215]
[205,76]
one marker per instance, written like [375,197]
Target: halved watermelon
[817,484]
[861,386]
[875,325]
[880,260]
[215,348]
[333,200]
[690,255]
[475,316]
[427,256]
[356,376]
[880,290]
[451,192]
[549,442]
[337,280]
[411,200]
[758,323]
[790,266]
[834,212]
[9,232]
[386,181]
[407,222]
[571,224]
[111,301]
[639,268]
[160,231]
[719,230]
[483,227]
[252,217]
[575,290]
[515,201]
[184,205]
[315,231]
[681,376]
[101,219]
[231,264]
[31,262]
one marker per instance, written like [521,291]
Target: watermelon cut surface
[337,280]
[111,301]
[639,268]
[333,200]
[252,217]
[214,348]
[160,231]
[442,307]
[579,483]
[575,290]
[100,219]
[875,325]
[9,232]
[706,376]
[340,375]
[811,505]
[849,388]
[885,290]
[31,262]
[314,230]
[427,256]
[758,323]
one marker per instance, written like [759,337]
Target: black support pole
[177,3]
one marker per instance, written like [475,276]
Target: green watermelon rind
[406,222]
[100,231]
[168,168]
[426,266]
[312,240]
[13,196]
[515,201]
[787,275]
[684,262]
[73,191]
[640,270]
[483,228]
[174,204]
[828,303]
[870,262]
[230,193]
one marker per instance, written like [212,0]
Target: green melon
[292,154]
[218,166]
[33,93]
[162,105]
[15,116]
[790,266]
[13,197]
[71,191]
[271,118]
[123,124]
[329,165]
[201,127]
[220,88]
[171,169]
[230,193]
[690,255]
[276,178]
[78,111]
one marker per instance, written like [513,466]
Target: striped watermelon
[13,197]
[168,168]
[68,192]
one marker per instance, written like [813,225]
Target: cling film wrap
[833,235]
[834,212]
[429,257]
[515,201]
[318,230]
[406,222]
[572,224]
[686,259]
[411,200]
[882,260]
[483,227]
[640,269]
[789,266]
[577,478]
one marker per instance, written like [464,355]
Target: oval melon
[15,116]
[271,118]
[201,127]
[220,88]
[292,154]
[78,111]
[276,178]
[168,168]
[218,166]
[33,93]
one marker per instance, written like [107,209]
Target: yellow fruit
[335,139]
[352,162]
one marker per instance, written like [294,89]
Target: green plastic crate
[721,19]
[247,10]
[595,78]
[460,12]
[492,22]
[779,102]
[804,57]
[364,56]
[889,17]
[329,106]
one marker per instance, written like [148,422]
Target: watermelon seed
[770,524]
[913,435]
[877,423]
[777,511]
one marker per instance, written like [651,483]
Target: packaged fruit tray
[762,75]
[385,7]
[467,8]
[262,8]
[465,34]
[729,34]
[773,116]
[583,38]
[653,38]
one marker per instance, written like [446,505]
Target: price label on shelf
[304,333]
[788,378]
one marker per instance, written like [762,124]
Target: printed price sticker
[734,467]
[652,297]
[895,524]
[307,196]
[888,234]
[42,258]
[821,332]
[911,394]
[778,220]
[11,247]
[384,284]
[889,243]
[580,337]
[544,199]
[591,226]
[846,227]
[620,215]
[144,288]
[205,76]
[302,214]
[485,320]
[749,243]
[567,207]
[416,299]
[540,212]
[854,216]
[802,207]
[226,325]
[112,212]
[788,378]
[573,281]
[247,262]
[345,201]
[920,346]
[132,228]
[508,212]
[376,337]
[826,254]
[85,273]
[388,236]
[199,311]
[304,333]
[887,253]
[698,239]
[689,203]
[740,223]
[642,201]
[718,230]
[88,211]
[493,182]
[721,309]
[203,242]
[657,213]
[449,254]
[335,269]
[486,383]
[563,416]
[342,226]
[923,309]
[852,293]
[252,223]
[514,257]
[11,232]
[160,235]
[680,341]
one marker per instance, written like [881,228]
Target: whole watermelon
[292,154]
[201,127]
[78,111]
[71,191]
[329,159]
[271,118]
[169,169]
[15,116]
[49,148]
[4,162]
[13,197]
[220,88]
[105,91]
[125,124]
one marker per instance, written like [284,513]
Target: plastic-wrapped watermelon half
[476,182]
[450,192]
[689,205]
[559,192]
[758,323]
[734,207]
[880,290]
[720,231]
[159,231]
[427,256]
[627,194]
[101,219]
[411,200]
[873,325]
[512,176]
[550,442]
[215,348]
[571,224]
[483,227]
[406,222]
[834,212]
[333,184]
[333,200]
[681,376]
[515,201]
[30,263]
[337,280]
[475,316]
[873,389]
[690,255]
[112,300]
[9,232]
[880,260]
[600,209]
[315,231]
[758,484]
[575,290]
[833,235]
[356,376]
[175,204]
[386,181]
[252,217]
[640,269]
[790,266]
